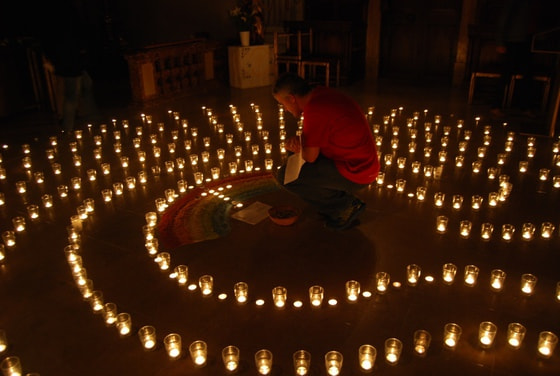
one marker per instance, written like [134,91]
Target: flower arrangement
[243,14]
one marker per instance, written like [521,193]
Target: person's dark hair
[292,83]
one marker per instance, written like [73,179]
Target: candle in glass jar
[352,290]
[302,362]
[497,278]
[382,280]
[393,349]
[333,363]
[230,357]
[147,336]
[451,335]
[441,224]
[528,283]
[279,296]
[206,285]
[515,335]
[471,275]
[316,295]
[198,351]
[172,344]
[486,334]
[547,343]
[241,292]
[422,339]
[263,361]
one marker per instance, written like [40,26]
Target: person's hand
[293,144]
[501,49]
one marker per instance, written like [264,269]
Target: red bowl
[284,215]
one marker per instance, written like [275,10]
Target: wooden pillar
[468,14]
[373,37]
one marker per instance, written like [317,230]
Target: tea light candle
[527,231]
[172,343]
[380,179]
[457,202]
[198,178]
[230,357]
[507,231]
[163,260]
[547,343]
[181,274]
[206,285]
[279,296]
[352,290]
[547,228]
[421,193]
[476,202]
[439,198]
[400,185]
[476,165]
[515,335]
[413,273]
[528,283]
[459,161]
[110,313]
[382,280]
[366,356]
[198,351]
[263,361]
[11,366]
[471,275]
[241,292]
[465,227]
[422,339]
[486,334]
[316,295]
[333,363]
[543,174]
[497,278]
[451,335]
[96,301]
[393,349]
[441,224]
[18,223]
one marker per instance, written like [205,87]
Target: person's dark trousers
[321,185]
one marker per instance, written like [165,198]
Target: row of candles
[10,365]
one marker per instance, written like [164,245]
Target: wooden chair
[286,51]
[310,60]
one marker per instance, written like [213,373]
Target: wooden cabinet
[251,66]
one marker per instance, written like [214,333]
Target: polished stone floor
[54,330]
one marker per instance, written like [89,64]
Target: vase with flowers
[247,16]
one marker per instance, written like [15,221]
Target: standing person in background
[516,25]
[337,145]
[66,43]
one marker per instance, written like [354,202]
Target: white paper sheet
[293,167]
[253,213]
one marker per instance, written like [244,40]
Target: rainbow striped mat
[203,213]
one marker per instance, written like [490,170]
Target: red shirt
[337,125]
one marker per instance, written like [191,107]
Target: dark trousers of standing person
[321,185]
[517,60]
[78,92]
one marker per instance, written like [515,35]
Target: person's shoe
[348,216]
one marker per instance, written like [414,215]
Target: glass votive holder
[439,198]
[173,346]
[497,278]
[18,223]
[106,194]
[302,362]
[279,296]
[123,323]
[457,202]
[528,283]
[523,166]
[556,181]
[9,238]
[249,165]
[486,230]
[333,363]
[110,313]
[393,349]
[493,199]
[215,171]
[380,179]
[263,361]
[382,280]
[476,202]
[352,290]
[199,352]
[492,173]
[441,224]
[198,178]
[3,341]
[400,185]
[206,285]
[547,228]
[507,232]
[230,357]
[316,295]
[11,366]
[422,340]
[451,334]
[367,354]
[476,166]
[118,188]
[544,174]
[465,227]
[2,257]
[181,274]
[147,336]
[558,291]
[515,335]
[421,193]
[161,204]
[547,343]
[241,292]
[486,334]
[96,301]
[471,275]
[413,273]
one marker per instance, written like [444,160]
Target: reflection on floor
[431,149]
